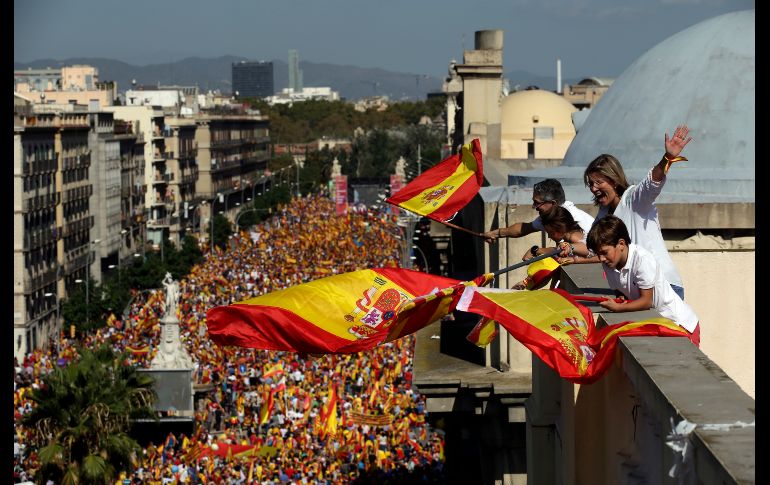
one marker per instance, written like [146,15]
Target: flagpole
[527,262]
[460,228]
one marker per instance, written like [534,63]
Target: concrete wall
[720,285]
[616,429]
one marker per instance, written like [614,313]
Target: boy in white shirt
[633,271]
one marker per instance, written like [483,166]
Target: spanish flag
[266,409]
[559,330]
[272,371]
[539,272]
[446,188]
[483,333]
[328,415]
[344,313]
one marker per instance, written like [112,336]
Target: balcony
[40,166]
[34,283]
[33,239]
[226,143]
[164,221]
[74,264]
[82,192]
[78,225]
[223,165]
[39,202]
[190,177]
[163,201]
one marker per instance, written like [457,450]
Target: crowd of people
[380,433]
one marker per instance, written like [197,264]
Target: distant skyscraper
[253,79]
[295,73]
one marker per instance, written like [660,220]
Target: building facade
[252,79]
[78,84]
[233,151]
[149,121]
[295,73]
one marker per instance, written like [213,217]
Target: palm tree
[82,416]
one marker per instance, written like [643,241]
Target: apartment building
[233,151]
[78,84]
[149,121]
[52,219]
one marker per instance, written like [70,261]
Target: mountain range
[351,82]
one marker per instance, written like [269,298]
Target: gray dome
[702,76]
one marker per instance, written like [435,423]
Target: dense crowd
[381,435]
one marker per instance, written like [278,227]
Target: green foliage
[375,153]
[222,230]
[114,294]
[81,415]
[310,120]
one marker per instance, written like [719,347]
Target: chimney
[558,76]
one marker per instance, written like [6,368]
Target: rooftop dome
[702,76]
[520,110]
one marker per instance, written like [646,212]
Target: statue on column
[171,354]
[336,167]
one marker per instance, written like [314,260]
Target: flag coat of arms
[558,329]
[441,191]
[344,313]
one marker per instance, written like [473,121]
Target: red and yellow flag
[539,272]
[483,333]
[267,408]
[273,371]
[446,188]
[328,415]
[559,330]
[344,313]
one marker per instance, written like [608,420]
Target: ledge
[676,380]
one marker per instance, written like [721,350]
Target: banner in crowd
[341,194]
[342,314]
[371,419]
[559,330]
[444,189]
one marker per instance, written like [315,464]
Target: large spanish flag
[559,330]
[344,313]
[444,189]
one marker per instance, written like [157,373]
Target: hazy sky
[591,37]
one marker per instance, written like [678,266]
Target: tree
[222,230]
[82,415]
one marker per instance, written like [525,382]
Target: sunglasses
[537,205]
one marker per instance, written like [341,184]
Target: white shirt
[638,212]
[642,271]
[582,217]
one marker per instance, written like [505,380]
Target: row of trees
[310,120]
[91,311]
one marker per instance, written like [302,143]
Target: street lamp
[56,326]
[424,259]
[88,278]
